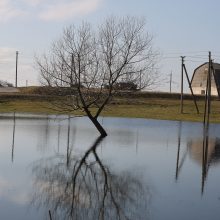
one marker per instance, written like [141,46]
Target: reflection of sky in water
[146,148]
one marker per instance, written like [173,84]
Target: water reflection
[211,151]
[13,139]
[76,176]
[205,151]
[179,162]
[73,187]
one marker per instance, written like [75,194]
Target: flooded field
[58,168]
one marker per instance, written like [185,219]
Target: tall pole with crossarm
[181,93]
[16,72]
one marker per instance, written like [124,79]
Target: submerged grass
[153,108]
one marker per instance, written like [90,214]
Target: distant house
[199,79]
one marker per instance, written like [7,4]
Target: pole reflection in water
[69,142]
[58,139]
[205,149]
[13,139]
[86,188]
[178,149]
[179,163]
[43,140]
[206,152]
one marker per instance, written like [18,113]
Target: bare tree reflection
[85,188]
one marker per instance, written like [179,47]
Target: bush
[125,86]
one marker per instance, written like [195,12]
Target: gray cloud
[66,10]
[8,11]
[50,10]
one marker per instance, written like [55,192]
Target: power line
[186,52]
[196,61]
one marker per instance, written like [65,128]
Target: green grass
[164,109]
[152,108]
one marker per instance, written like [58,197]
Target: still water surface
[144,169]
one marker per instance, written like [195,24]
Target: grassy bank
[137,106]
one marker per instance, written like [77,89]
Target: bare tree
[91,62]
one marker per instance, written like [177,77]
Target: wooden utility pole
[61,76]
[208,93]
[194,98]
[181,96]
[183,69]
[206,123]
[71,73]
[140,79]
[16,72]
[209,88]
[171,81]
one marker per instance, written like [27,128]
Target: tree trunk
[98,125]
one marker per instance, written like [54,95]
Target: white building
[199,79]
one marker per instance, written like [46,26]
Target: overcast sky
[189,28]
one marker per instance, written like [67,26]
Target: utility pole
[194,98]
[171,81]
[210,80]
[16,72]
[183,69]
[140,79]
[208,93]
[181,96]
[61,76]
[71,73]
[206,123]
